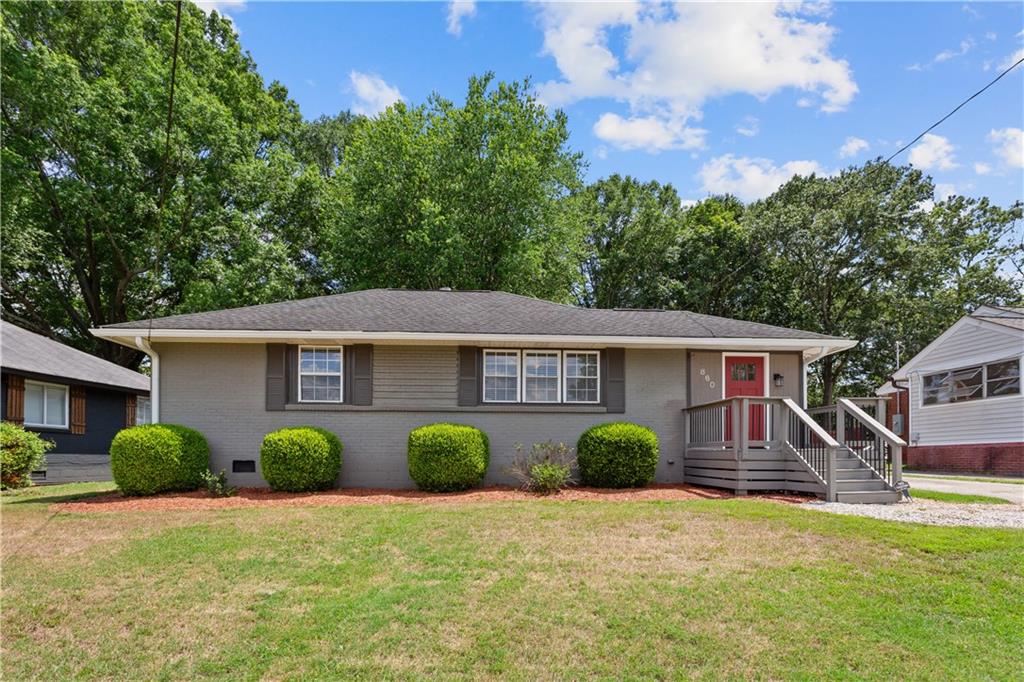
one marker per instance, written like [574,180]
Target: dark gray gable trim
[469,376]
[615,379]
[277,380]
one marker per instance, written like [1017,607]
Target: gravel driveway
[932,513]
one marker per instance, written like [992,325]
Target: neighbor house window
[46,405]
[501,376]
[972,383]
[143,410]
[320,374]
[540,376]
[581,377]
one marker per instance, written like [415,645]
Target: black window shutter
[615,380]
[277,386]
[469,382]
[291,374]
[362,374]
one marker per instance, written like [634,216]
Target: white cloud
[649,133]
[457,11]
[688,203]
[751,178]
[991,35]
[676,57]
[221,7]
[601,152]
[1009,145]
[1012,59]
[805,102]
[933,151]
[750,127]
[853,146]
[946,55]
[373,93]
[944,190]
[982,168]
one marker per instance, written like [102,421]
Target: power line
[929,129]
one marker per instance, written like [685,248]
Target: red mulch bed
[264,497]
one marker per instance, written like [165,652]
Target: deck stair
[840,452]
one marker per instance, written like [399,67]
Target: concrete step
[868,497]
[859,485]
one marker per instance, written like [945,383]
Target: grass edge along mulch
[264,497]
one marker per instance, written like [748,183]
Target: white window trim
[558,376]
[566,377]
[340,374]
[985,397]
[519,375]
[67,405]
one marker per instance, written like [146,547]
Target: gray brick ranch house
[725,396]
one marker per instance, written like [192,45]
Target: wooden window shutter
[361,376]
[15,399]
[277,383]
[131,402]
[615,379]
[78,410]
[469,376]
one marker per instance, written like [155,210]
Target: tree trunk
[828,381]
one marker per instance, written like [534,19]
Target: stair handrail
[831,445]
[873,424]
[896,443]
[810,423]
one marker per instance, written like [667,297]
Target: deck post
[840,423]
[744,434]
[897,463]
[686,433]
[830,475]
[782,423]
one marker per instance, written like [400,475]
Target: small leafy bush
[154,458]
[217,484]
[21,453]
[546,469]
[446,457]
[617,455]
[301,459]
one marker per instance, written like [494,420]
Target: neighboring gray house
[372,365]
[75,399]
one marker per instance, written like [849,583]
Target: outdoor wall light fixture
[778,379]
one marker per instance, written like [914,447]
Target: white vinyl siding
[46,405]
[996,419]
[320,374]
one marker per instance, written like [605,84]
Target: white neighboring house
[966,409]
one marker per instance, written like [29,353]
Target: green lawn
[956,497]
[710,589]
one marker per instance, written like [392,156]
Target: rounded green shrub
[153,458]
[617,455]
[447,457]
[300,459]
[21,453]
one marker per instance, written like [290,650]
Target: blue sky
[709,97]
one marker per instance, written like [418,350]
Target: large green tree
[105,218]
[466,196]
[631,232]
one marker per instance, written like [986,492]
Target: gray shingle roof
[465,312]
[21,350]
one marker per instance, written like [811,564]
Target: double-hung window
[582,375]
[320,374]
[46,405]
[541,376]
[501,376]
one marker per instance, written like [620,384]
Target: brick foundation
[989,458]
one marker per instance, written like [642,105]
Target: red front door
[744,376]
